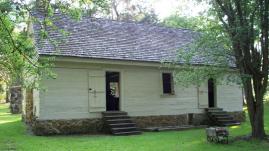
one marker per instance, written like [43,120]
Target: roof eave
[77,59]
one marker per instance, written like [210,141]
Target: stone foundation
[94,126]
[198,119]
[169,120]
[76,126]
[239,116]
[177,120]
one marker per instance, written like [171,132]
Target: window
[167,83]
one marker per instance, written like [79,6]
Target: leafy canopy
[18,56]
[211,46]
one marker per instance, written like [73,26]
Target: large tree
[246,23]
[233,33]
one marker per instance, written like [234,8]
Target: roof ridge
[130,22]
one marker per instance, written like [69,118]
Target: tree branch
[13,42]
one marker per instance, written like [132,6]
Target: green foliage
[19,60]
[13,136]
[210,45]
[247,25]
[235,34]
[17,51]
[130,10]
[177,21]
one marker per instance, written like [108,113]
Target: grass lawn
[13,137]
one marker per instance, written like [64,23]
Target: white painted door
[97,91]
[203,95]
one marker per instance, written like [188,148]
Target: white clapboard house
[110,77]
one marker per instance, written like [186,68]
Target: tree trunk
[7,95]
[255,111]
[16,98]
[258,125]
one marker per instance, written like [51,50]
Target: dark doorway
[112,91]
[211,93]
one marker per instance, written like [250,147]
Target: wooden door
[97,87]
[203,95]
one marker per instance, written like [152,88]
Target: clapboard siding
[143,95]
[230,97]
[66,96]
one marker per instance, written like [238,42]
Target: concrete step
[226,120]
[123,120]
[119,125]
[128,133]
[108,117]
[224,117]
[232,124]
[214,109]
[220,117]
[217,111]
[123,129]
[111,113]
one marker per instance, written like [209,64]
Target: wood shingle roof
[108,39]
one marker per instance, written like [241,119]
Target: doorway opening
[112,91]
[211,93]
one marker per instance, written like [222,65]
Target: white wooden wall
[141,93]
[230,97]
[66,96]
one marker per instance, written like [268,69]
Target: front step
[119,123]
[224,117]
[124,129]
[128,133]
[119,120]
[217,111]
[214,109]
[112,113]
[218,117]
[115,116]
[232,124]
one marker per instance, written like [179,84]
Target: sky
[164,8]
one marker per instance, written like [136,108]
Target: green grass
[13,136]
